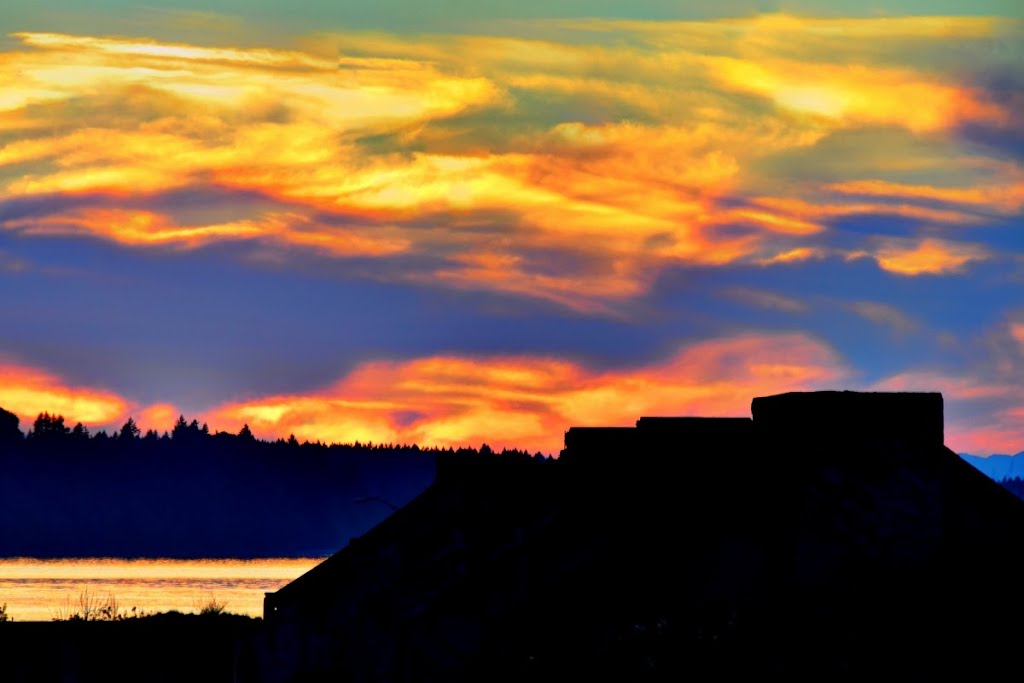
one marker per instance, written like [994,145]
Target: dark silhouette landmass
[190,494]
[831,537]
[163,648]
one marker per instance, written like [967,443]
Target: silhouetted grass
[91,607]
[212,607]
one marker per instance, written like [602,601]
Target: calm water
[38,590]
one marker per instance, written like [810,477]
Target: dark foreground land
[166,648]
[831,537]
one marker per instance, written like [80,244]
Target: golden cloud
[142,228]
[857,94]
[1006,198]
[793,256]
[385,136]
[159,417]
[27,392]
[528,402]
[929,256]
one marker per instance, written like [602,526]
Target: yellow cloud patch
[528,402]
[147,228]
[928,257]
[27,392]
[857,94]
[1004,197]
[623,147]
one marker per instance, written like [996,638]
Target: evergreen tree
[130,430]
[180,429]
[9,432]
[80,433]
[49,428]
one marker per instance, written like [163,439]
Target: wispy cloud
[884,314]
[768,300]
[984,396]
[631,147]
[1006,197]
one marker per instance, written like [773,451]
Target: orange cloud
[1017,332]
[1005,197]
[147,228]
[159,417]
[797,208]
[528,402]
[27,392]
[928,257]
[381,136]
[132,227]
[793,256]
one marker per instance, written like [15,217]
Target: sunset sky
[450,223]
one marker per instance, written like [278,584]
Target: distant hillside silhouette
[998,467]
[67,492]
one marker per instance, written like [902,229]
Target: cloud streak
[655,168]
[528,402]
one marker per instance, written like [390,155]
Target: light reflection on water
[38,590]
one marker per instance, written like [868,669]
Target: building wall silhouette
[832,535]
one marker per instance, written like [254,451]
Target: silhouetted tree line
[1014,485]
[191,492]
[50,434]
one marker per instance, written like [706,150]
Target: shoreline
[39,589]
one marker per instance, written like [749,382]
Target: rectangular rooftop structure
[599,438]
[696,426]
[852,417]
[653,438]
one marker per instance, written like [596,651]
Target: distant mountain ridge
[998,467]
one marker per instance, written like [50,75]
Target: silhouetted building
[832,535]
